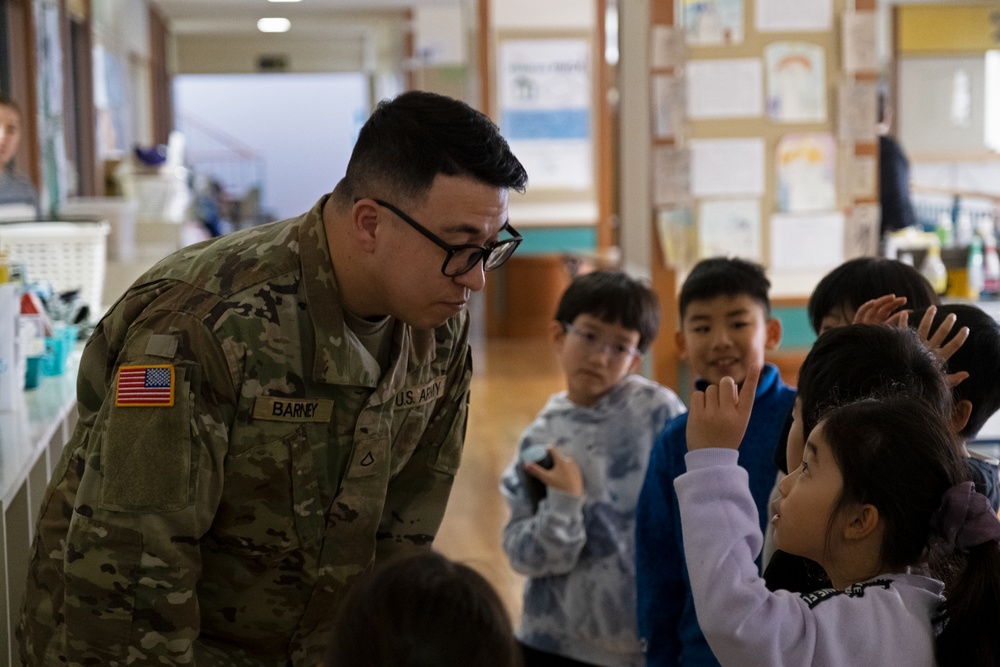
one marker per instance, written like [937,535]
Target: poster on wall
[729,228]
[807,165]
[796,82]
[544,101]
[713,21]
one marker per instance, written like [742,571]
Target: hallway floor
[511,382]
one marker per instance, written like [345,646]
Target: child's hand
[883,310]
[718,416]
[935,341]
[564,474]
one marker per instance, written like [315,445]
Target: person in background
[15,188]
[893,175]
[882,501]
[576,544]
[977,397]
[726,329]
[423,610]
[267,415]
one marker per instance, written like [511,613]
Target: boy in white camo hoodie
[576,544]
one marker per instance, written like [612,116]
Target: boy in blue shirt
[576,543]
[726,327]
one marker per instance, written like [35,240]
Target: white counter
[32,438]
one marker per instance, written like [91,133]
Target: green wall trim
[557,240]
[796,332]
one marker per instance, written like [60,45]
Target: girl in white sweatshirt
[880,501]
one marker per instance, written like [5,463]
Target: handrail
[953,192]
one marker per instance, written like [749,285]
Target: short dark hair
[423,610]
[412,138]
[852,362]
[6,101]
[862,279]
[900,457]
[616,298]
[725,276]
[979,356]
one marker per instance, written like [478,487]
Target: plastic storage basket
[70,255]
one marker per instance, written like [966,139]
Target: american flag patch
[145,386]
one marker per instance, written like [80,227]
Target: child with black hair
[870,290]
[881,494]
[423,610]
[726,328]
[845,364]
[977,396]
[843,291]
[576,544]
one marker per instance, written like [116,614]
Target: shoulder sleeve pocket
[146,451]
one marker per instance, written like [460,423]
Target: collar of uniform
[334,360]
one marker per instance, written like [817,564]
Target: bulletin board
[763,142]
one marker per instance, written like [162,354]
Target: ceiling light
[274,25]
[284,0]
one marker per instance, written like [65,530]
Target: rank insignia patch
[145,386]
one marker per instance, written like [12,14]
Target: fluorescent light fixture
[284,0]
[274,25]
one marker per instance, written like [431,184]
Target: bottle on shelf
[933,269]
[964,230]
[945,230]
[991,266]
[974,268]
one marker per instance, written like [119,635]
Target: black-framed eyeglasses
[463,258]
[594,343]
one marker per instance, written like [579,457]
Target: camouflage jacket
[220,520]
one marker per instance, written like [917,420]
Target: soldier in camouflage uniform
[266,415]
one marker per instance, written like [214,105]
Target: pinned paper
[729,228]
[796,82]
[713,21]
[722,167]
[725,88]
[807,241]
[807,165]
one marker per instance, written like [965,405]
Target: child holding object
[576,543]
[881,494]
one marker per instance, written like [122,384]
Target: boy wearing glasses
[575,543]
[266,416]
[726,328]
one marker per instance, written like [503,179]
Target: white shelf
[32,438]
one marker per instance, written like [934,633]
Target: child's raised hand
[935,341]
[564,474]
[718,416]
[883,310]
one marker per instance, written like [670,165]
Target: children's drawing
[796,82]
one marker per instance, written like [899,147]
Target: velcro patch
[271,408]
[145,386]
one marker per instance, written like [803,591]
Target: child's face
[10,133]
[808,498]
[838,317]
[595,355]
[725,335]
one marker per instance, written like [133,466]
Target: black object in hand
[535,487]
